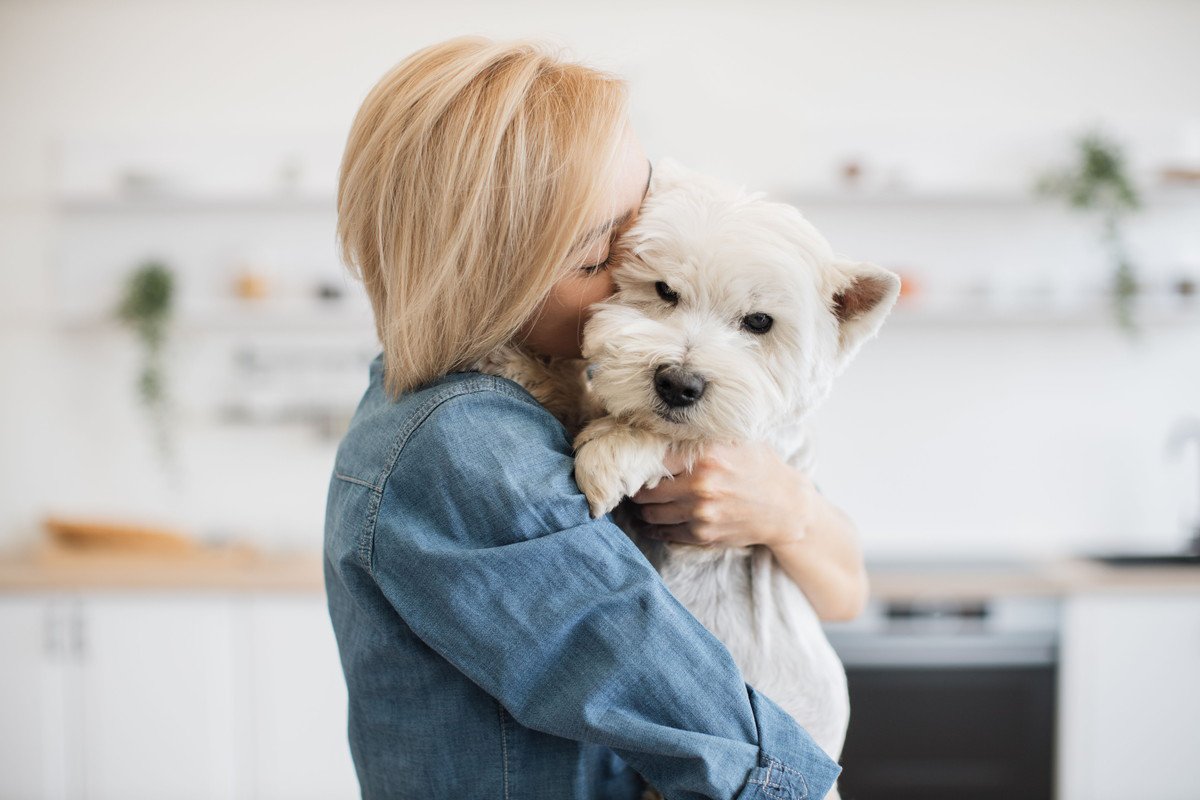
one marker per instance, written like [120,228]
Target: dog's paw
[654,480]
[599,477]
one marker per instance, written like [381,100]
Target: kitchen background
[1003,415]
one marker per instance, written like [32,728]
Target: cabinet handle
[51,631]
[78,637]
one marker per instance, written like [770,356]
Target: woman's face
[557,328]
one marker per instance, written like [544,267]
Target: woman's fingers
[680,534]
[668,513]
[668,489]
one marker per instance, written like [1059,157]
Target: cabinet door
[157,697]
[36,670]
[296,701]
[1129,721]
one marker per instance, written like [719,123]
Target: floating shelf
[102,204]
[244,316]
[1153,196]
[236,318]
[973,313]
[1182,194]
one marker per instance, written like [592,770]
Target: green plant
[1098,182]
[146,307]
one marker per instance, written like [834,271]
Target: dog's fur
[724,254]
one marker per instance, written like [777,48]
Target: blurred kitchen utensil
[84,539]
[108,535]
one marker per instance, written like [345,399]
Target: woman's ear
[861,297]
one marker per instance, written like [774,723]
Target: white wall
[941,439]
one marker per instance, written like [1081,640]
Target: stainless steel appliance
[950,699]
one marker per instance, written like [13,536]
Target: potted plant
[1098,182]
[146,307]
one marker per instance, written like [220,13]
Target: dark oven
[950,700]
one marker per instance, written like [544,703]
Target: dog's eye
[757,323]
[665,293]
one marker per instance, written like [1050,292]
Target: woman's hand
[735,495]
[743,494]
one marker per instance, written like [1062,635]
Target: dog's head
[732,314]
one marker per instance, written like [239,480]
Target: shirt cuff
[790,765]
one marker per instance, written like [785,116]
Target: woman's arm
[742,494]
[822,555]
[484,545]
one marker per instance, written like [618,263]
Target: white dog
[732,317]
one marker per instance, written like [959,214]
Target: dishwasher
[950,699]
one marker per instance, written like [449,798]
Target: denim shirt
[498,642]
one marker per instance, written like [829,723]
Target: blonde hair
[470,172]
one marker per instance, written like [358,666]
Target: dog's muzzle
[677,387]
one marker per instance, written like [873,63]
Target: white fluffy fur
[726,254]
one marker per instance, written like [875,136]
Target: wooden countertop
[50,568]
[47,568]
[1052,577]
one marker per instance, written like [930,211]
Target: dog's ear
[860,298]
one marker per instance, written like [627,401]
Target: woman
[496,640]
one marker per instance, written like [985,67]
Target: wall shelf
[1161,195]
[175,203]
[299,317]
[248,316]
[972,313]
[105,204]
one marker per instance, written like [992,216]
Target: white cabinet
[164,695]
[37,674]
[296,702]
[156,711]
[1129,723]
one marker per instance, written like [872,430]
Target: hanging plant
[146,307]
[1098,182]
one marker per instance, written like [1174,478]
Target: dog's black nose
[678,387]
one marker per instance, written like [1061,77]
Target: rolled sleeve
[790,764]
[483,544]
